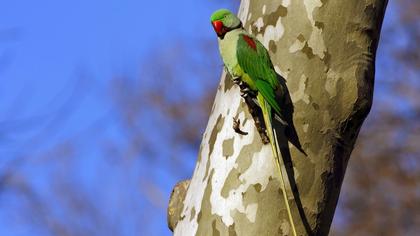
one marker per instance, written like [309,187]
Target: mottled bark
[176,206]
[326,51]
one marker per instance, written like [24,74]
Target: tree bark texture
[326,52]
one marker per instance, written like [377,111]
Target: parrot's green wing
[268,93]
[254,60]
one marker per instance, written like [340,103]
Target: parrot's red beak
[218,27]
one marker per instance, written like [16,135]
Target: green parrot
[247,60]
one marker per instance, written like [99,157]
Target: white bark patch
[300,93]
[296,173]
[259,172]
[285,228]
[256,173]
[310,5]
[305,127]
[316,41]
[285,3]
[243,10]
[331,83]
[282,73]
[251,212]
[260,163]
[296,46]
[271,33]
[264,9]
[259,23]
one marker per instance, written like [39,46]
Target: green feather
[268,93]
[257,64]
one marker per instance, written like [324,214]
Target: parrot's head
[224,21]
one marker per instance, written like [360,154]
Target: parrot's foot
[245,92]
[236,126]
[237,81]
[244,95]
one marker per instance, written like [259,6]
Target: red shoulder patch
[250,41]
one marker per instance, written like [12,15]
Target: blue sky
[57,59]
[54,41]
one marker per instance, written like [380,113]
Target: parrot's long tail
[289,213]
[265,107]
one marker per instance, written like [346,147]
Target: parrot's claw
[237,80]
[236,127]
[245,92]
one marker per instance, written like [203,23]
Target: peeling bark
[326,51]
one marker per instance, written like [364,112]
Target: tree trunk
[326,52]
